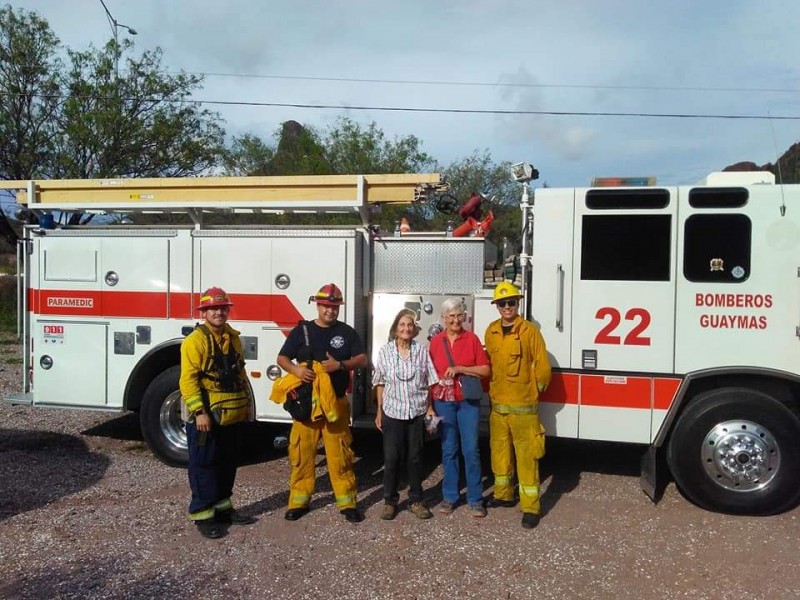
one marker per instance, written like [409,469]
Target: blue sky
[712,57]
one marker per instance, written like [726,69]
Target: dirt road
[87,512]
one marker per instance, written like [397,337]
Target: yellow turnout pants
[521,435]
[337,439]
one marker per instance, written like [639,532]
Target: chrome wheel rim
[172,425]
[740,455]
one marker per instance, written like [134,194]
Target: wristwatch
[342,366]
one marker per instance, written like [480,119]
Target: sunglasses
[503,303]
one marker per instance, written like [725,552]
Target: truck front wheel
[160,418]
[737,450]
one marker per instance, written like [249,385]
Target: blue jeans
[460,424]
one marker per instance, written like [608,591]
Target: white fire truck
[671,314]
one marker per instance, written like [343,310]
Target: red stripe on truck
[273,308]
[612,391]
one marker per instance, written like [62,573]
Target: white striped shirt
[405,381]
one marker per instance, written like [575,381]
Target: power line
[476,111]
[649,88]
[473,111]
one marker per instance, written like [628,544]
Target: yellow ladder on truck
[303,193]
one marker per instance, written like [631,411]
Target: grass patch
[8,304]
[13,360]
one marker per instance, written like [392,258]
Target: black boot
[529,520]
[295,513]
[352,515]
[209,528]
[232,517]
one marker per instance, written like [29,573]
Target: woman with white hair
[458,354]
[402,377]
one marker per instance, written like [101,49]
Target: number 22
[634,337]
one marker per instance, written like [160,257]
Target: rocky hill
[789,163]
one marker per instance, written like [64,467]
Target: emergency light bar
[623,181]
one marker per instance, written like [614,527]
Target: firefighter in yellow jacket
[217,398]
[520,372]
[336,349]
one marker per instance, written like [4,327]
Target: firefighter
[217,399]
[520,372]
[336,350]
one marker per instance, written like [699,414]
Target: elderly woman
[458,353]
[402,376]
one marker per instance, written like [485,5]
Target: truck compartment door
[623,306]
[69,365]
[551,305]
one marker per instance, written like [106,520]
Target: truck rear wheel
[160,418]
[737,450]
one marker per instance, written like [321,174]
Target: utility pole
[115,27]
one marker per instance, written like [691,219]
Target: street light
[115,27]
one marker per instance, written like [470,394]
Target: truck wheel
[737,450]
[160,419]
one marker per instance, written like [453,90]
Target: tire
[737,450]
[160,419]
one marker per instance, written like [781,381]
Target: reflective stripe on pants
[337,439]
[515,431]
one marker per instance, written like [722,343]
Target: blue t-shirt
[339,340]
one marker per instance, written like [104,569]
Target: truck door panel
[623,304]
[551,305]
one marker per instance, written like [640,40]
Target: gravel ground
[87,512]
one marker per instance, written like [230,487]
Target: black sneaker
[295,513]
[497,503]
[209,528]
[352,515]
[529,520]
[232,517]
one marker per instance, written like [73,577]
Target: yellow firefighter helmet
[505,290]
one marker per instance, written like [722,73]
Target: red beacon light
[623,181]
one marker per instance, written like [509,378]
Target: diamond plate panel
[429,265]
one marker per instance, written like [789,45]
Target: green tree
[29,93]
[478,173]
[85,121]
[247,155]
[140,124]
[29,99]
[353,148]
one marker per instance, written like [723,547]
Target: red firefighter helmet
[214,296]
[328,295]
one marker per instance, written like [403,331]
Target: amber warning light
[623,181]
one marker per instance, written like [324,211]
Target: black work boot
[497,503]
[529,520]
[232,517]
[352,515]
[209,528]
[295,513]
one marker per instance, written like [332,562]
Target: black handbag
[299,400]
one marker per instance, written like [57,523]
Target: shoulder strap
[211,345]
[309,362]
[447,350]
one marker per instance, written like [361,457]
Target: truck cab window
[717,248]
[626,247]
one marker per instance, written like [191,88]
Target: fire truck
[671,314]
